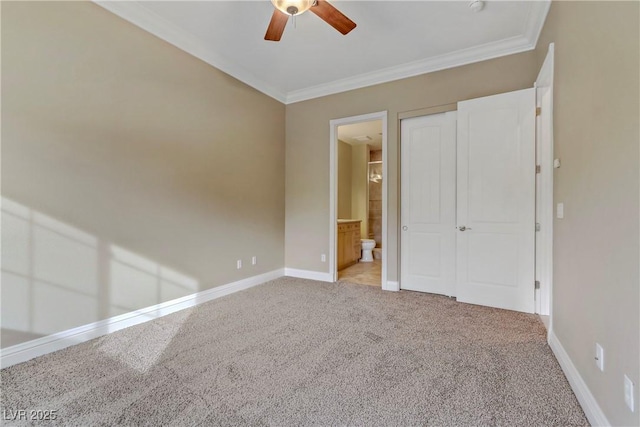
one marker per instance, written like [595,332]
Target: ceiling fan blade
[333,16]
[276,26]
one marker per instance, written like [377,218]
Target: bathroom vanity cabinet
[348,243]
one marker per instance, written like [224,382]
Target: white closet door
[428,203]
[496,201]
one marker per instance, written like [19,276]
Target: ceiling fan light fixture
[476,5]
[293,7]
[323,10]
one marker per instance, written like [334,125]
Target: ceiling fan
[286,8]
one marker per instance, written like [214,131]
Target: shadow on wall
[56,277]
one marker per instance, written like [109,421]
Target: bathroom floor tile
[363,273]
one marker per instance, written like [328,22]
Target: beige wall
[115,143]
[596,246]
[345,160]
[307,147]
[133,172]
[359,181]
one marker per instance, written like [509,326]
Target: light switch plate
[560,211]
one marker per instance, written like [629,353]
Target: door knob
[463,228]
[405,228]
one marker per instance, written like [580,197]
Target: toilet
[367,250]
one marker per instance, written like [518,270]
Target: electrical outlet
[629,398]
[239,264]
[323,258]
[254,260]
[599,357]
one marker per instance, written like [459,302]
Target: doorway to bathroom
[358,199]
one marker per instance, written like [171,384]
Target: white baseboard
[38,347]
[391,286]
[308,274]
[589,404]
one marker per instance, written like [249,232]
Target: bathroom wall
[360,158]
[344,180]
[374,230]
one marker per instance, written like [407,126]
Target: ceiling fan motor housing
[322,9]
[293,7]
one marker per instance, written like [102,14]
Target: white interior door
[428,203]
[496,201]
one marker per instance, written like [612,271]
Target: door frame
[333,189]
[544,191]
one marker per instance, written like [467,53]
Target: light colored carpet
[299,352]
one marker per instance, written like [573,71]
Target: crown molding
[535,20]
[411,69]
[527,41]
[137,14]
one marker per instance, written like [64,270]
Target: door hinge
[537,226]
[538,111]
[537,168]
[537,284]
